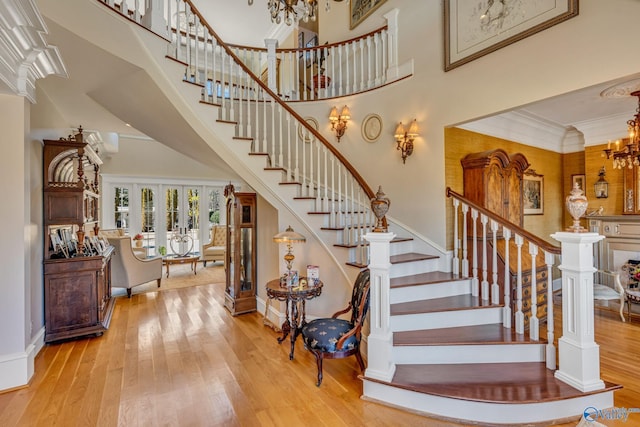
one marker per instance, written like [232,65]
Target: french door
[182,219]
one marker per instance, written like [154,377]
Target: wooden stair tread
[529,382]
[493,333]
[410,257]
[425,278]
[457,302]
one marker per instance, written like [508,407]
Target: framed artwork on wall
[580,179]
[474,29]
[533,193]
[359,10]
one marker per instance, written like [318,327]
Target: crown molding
[25,55]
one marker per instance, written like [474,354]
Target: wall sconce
[405,138]
[601,186]
[339,121]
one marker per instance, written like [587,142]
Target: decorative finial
[576,205]
[380,206]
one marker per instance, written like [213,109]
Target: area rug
[180,276]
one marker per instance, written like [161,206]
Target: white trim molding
[17,369]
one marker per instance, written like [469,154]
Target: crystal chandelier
[293,10]
[629,154]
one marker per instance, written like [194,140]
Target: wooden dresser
[77,269]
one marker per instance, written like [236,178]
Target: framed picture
[580,179]
[533,194]
[359,10]
[313,42]
[474,29]
[300,42]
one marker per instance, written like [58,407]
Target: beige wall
[459,143]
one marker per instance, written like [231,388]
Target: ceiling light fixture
[629,154]
[293,10]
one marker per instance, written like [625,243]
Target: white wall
[588,49]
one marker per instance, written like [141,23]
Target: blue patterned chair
[333,338]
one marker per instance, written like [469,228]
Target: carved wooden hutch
[493,180]
[240,290]
[77,270]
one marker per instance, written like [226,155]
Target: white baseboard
[17,369]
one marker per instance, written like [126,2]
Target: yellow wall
[594,159]
[459,143]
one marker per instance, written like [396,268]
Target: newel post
[579,355]
[380,341]
[392,44]
[153,18]
[272,64]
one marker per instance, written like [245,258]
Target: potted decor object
[138,240]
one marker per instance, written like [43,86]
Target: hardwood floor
[178,358]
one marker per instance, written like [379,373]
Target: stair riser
[446,319]
[453,354]
[398,248]
[476,412]
[415,267]
[430,291]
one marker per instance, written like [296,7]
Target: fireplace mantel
[621,243]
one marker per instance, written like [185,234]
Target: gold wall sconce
[405,138]
[339,121]
[601,186]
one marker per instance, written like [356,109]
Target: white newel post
[392,45]
[379,344]
[579,355]
[153,18]
[272,64]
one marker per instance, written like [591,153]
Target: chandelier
[629,154]
[293,10]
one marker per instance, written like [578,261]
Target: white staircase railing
[302,74]
[507,254]
[288,142]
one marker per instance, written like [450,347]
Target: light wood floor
[177,358]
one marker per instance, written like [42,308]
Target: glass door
[182,220]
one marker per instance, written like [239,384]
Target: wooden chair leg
[159,280]
[129,292]
[319,363]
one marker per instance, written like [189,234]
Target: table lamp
[289,237]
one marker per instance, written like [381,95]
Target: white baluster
[465,241]
[475,284]
[519,314]
[340,87]
[370,59]
[551,348]
[495,288]
[484,285]
[506,316]
[534,327]
[456,243]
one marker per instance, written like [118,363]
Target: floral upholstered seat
[333,338]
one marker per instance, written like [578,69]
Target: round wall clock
[371,127]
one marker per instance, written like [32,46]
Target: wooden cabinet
[77,267]
[493,180]
[240,290]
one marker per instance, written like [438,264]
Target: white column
[579,355]
[153,18]
[272,64]
[380,342]
[392,45]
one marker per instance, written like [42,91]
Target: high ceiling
[581,117]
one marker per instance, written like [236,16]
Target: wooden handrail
[365,187]
[544,245]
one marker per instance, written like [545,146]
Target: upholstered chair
[127,270]
[217,246]
[119,232]
[334,338]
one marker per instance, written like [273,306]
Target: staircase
[438,343]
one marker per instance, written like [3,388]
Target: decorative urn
[380,206]
[576,205]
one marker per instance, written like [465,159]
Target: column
[272,64]
[153,18]
[392,43]
[579,355]
[380,342]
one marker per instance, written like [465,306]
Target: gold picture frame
[474,29]
[533,193]
[359,10]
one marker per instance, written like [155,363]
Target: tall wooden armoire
[493,180]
